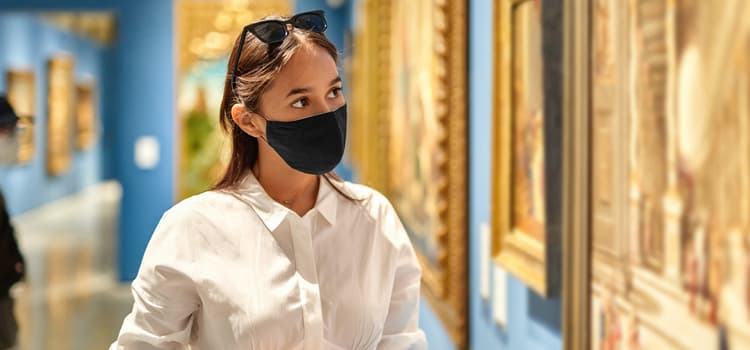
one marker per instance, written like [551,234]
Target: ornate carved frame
[444,285]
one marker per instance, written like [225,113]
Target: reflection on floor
[71,299]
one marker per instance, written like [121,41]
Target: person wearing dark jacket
[11,261]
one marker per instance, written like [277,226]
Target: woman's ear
[251,123]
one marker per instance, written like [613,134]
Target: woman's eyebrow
[304,90]
[298,91]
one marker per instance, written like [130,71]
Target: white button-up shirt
[237,270]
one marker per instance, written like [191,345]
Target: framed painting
[668,97]
[60,109]
[87,120]
[527,139]
[22,96]
[409,76]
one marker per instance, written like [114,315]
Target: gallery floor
[70,299]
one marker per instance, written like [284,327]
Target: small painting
[60,97]
[22,96]
[87,121]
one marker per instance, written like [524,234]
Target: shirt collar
[327,202]
[273,213]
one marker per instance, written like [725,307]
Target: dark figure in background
[11,262]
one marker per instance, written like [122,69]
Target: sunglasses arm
[237,58]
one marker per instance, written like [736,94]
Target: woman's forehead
[309,65]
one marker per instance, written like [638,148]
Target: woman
[282,254]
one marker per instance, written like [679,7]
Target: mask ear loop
[267,120]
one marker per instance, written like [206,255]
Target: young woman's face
[309,84]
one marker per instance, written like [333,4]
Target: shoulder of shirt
[372,202]
[201,206]
[366,197]
[380,210]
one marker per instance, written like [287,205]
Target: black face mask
[313,145]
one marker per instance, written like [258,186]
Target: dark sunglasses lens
[310,21]
[270,32]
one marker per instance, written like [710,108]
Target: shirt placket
[308,283]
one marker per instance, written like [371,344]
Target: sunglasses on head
[275,31]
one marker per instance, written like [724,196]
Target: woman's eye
[334,92]
[301,103]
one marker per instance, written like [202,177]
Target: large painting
[409,105]
[414,127]
[60,109]
[206,30]
[527,152]
[22,96]
[669,96]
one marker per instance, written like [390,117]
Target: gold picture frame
[438,78]
[87,120]
[22,96]
[60,109]
[576,219]
[527,139]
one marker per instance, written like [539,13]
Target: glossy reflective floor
[71,299]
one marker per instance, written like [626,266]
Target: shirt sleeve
[165,297]
[401,330]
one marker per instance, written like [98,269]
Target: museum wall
[26,44]
[140,103]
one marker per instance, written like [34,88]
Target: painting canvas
[22,96]
[415,153]
[86,115]
[60,109]
[203,142]
[409,120]
[527,143]
[528,211]
[670,199]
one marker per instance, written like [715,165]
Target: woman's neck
[293,189]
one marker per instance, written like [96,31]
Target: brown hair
[258,65]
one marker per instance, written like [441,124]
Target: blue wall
[140,101]
[145,72]
[26,42]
